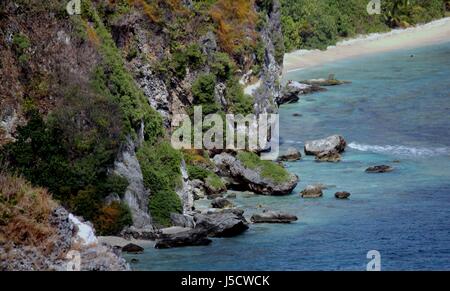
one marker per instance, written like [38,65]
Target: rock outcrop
[335,143]
[290,155]
[182,237]
[226,223]
[251,179]
[312,191]
[293,90]
[221,203]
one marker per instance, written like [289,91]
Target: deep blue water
[397,108]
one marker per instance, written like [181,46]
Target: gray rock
[185,192]
[335,143]
[380,169]
[251,179]
[330,157]
[290,155]
[221,203]
[292,91]
[133,249]
[182,238]
[221,224]
[182,220]
[146,233]
[273,217]
[312,191]
[111,199]
[136,195]
[342,195]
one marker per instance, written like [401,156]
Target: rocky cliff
[102,86]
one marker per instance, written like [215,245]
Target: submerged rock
[331,81]
[335,143]
[273,217]
[312,191]
[245,178]
[221,203]
[182,237]
[342,195]
[290,155]
[330,157]
[380,169]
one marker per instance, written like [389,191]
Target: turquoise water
[396,109]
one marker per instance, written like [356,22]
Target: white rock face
[186,192]
[136,196]
[85,235]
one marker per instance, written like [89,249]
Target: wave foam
[401,150]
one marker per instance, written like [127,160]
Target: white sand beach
[427,34]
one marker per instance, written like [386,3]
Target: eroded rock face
[186,191]
[335,143]
[251,179]
[181,220]
[136,195]
[273,217]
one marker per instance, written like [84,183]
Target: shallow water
[397,108]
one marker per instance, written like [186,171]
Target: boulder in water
[380,169]
[273,217]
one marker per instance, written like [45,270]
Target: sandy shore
[431,33]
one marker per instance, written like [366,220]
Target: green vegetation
[267,169]
[20,45]
[160,166]
[214,181]
[318,24]
[113,80]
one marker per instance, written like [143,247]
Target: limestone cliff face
[270,80]
[46,53]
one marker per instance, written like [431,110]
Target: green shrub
[197,173]
[240,103]
[222,66]
[160,166]
[20,45]
[214,181]
[203,93]
[162,204]
[267,169]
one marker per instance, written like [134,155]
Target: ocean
[396,111]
